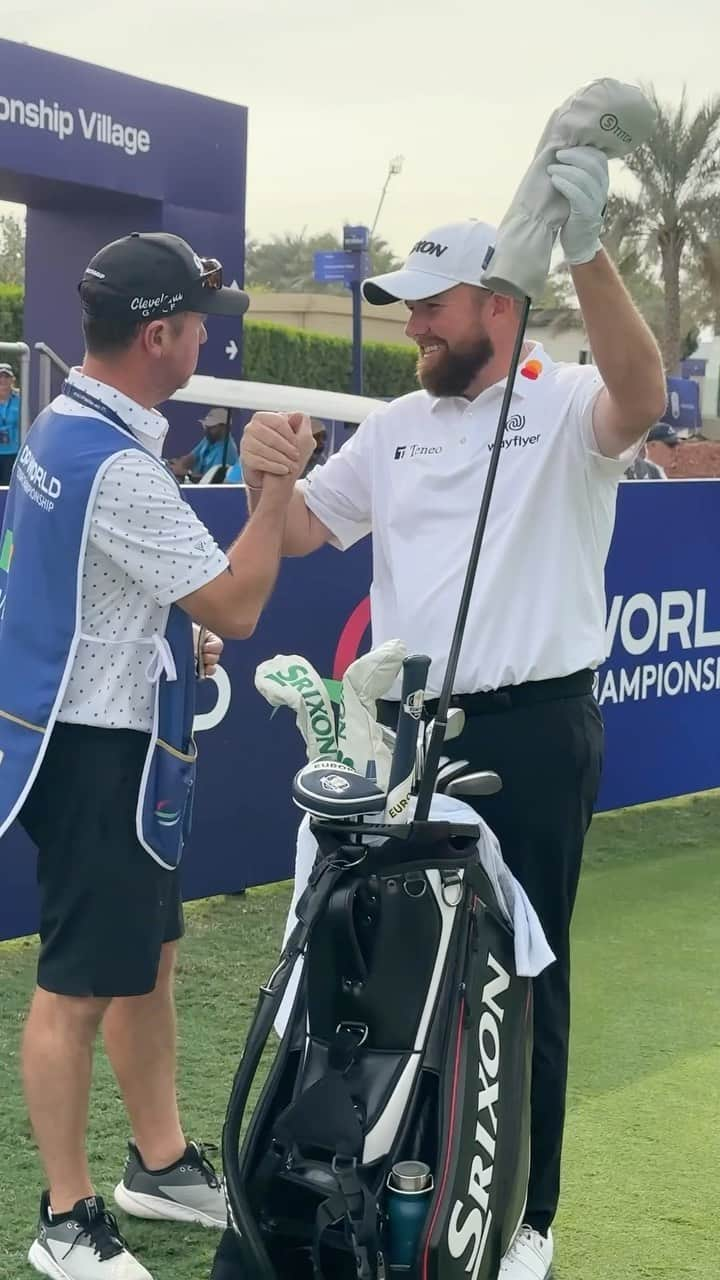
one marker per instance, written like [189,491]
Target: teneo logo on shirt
[416,451]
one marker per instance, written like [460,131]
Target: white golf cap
[457,253]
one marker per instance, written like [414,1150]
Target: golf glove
[580,174]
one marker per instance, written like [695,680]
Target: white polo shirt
[146,548]
[413,475]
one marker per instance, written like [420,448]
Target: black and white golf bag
[408,1040]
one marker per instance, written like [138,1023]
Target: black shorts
[106,905]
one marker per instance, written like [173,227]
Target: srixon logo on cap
[429,246]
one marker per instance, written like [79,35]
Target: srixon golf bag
[408,1043]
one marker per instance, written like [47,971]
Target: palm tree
[678,170]
[285,263]
[704,271]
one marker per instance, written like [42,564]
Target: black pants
[549,756]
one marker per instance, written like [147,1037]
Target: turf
[642,1155]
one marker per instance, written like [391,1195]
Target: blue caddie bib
[42,551]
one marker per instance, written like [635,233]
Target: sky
[461,90]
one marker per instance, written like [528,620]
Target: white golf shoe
[529,1257]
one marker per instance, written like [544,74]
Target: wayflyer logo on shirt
[516,437]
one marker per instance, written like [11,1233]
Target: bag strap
[353,1203]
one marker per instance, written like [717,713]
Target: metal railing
[22,350]
[48,360]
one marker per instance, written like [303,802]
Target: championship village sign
[94,155]
[95,126]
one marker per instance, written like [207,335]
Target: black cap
[152,274]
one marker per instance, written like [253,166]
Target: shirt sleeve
[588,387]
[339,493]
[141,522]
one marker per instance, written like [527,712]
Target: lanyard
[91,402]
[6,410]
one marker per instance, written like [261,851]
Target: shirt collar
[147,424]
[530,370]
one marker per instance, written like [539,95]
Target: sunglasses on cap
[212,273]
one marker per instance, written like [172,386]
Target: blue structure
[94,155]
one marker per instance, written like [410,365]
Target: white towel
[532,953]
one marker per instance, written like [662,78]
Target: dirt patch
[689,460]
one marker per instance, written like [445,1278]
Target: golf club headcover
[288,680]
[609,115]
[375,672]
[360,737]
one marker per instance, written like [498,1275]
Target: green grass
[642,1154]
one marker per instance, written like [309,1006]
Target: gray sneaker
[187,1191]
[82,1245]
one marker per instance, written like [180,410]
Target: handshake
[277,445]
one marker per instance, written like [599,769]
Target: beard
[451,372]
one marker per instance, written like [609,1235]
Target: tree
[12,250]
[285,263]
[704,271]
[678,170]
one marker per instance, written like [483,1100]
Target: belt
[516,695]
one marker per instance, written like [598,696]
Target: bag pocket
[169,796]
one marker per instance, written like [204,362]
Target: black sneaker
[82,1245]
[187,1191]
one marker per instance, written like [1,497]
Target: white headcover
[360,737]
[607,114]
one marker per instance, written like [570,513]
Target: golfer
[412,477]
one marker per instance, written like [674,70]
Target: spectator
[9,422]
[216,449]
[644,469]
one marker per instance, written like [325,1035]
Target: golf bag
[408,1042]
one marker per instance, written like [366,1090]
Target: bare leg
[139,1036]
[57,1073]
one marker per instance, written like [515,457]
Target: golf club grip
[414,678]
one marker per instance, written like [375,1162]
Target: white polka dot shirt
[146,548]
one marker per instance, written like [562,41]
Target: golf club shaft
[434,751]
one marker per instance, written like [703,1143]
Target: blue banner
[683,405]
[659,690]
